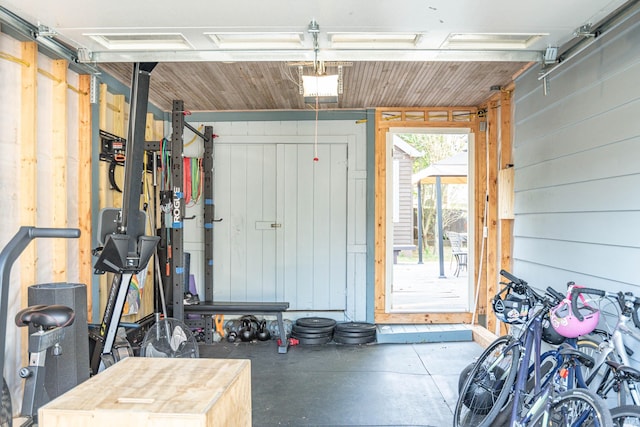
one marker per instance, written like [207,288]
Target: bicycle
[612,371]
[503,372]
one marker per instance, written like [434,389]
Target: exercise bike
[50,322]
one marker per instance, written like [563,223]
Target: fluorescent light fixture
[235,40]
[142,41]
[491,40]
[324,87]
[374,40]
[320,85]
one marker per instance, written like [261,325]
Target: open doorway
[427,207]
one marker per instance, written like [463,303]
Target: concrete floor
[352,385]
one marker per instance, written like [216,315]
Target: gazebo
[452,170]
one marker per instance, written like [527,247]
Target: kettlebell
[263,332]
[232,325]
[247,333]
[232,336]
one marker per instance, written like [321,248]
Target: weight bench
[210,308]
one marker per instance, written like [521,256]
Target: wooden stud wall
[28,169]
[481,209]
[498,155]
[506,167]
[491,258]
[60,94]
[59,156]
[113,118]
[507,192]
[28,162]
[84,191]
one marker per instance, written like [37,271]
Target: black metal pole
[439,222]
[420,242]
[209,221]
[134,154]
[177,210]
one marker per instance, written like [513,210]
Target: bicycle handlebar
[620,297]
[574,299]
[521,286]
[64,233]
[634,314]
[512,278]
[557,295]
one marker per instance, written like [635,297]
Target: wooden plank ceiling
[243,86]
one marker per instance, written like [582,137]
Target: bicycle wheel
[5,406]
[549,365]
[488,384]
[626,416]
[579,407]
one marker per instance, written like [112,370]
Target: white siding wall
[577,176]
[300,131]
[403,224]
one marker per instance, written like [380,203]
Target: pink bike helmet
[568,325]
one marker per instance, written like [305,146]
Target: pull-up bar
[194,130]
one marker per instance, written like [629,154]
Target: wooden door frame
[493,194]
[386,118]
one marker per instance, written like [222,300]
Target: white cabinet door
[313,209]
[283,234]
[244,257]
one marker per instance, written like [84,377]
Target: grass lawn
[428,254]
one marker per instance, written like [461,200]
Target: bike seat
[583,358]
[47,316]
[630,372]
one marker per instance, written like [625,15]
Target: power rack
[200,315]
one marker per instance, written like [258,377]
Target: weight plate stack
[355,333]
[313,330]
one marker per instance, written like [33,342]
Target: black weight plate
[314,341]
[310,336]
[359,340]
[355,327]
[315,322]
[350,334]
[308,330]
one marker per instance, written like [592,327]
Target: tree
[436,147]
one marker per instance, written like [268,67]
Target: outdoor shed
[404,232]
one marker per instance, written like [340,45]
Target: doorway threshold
[423,333]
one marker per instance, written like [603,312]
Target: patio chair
[458,251]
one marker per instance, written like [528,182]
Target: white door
[244,258]
[283,234]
